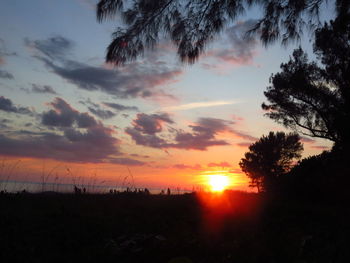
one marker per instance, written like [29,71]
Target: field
[232,227]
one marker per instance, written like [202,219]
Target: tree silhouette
[191,25]
[311,98]
[270,157]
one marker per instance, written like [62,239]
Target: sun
[218,182]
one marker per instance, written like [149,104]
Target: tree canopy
[270,157]
[191,25]
[314,98]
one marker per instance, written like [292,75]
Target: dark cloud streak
[103,114]
[97,110]
[126,161]
[8,106]
[151,124]
[94,146]
[242,46]
[6,75]
[56,47]
[120,107]
[43,89]
[63,115]
[203,133]
[134,80]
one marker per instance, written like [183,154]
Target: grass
[155,228]
[7,170]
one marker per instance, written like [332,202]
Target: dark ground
[174,229]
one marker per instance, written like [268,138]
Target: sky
[66,115]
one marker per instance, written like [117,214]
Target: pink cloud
[236,171]
[244,144]
[320,147]
[239,49]
[184,166]
[307,140]
[222,164]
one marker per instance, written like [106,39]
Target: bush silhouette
[269,158]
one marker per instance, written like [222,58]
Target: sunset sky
[63,109]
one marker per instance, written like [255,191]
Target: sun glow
[218,182]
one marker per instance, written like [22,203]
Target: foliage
[270,157]
[323,177]
[312,99]
[191,25]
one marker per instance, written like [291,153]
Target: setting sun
[218,182]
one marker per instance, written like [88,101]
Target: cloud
[6,75]
[8,106]
[211,125]
[320,147]
[3,126]
[4,122]
[311,142]
[243,45]
[202,134]
[63,115]
[196,105]
[306,140]
[42,89]
[80,138]
[243,135]
[56,48]
[138,155]
[114,82]
[120,107]
[103,114]
[241,49]
[90,4]
[126,161]
[184,166]
[236,171]
[244,144]
[4,53]
[151,124]
[97,110]
[222,164]
[95,145]
[145,139]
[134,80]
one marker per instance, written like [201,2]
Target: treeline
[313,99]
